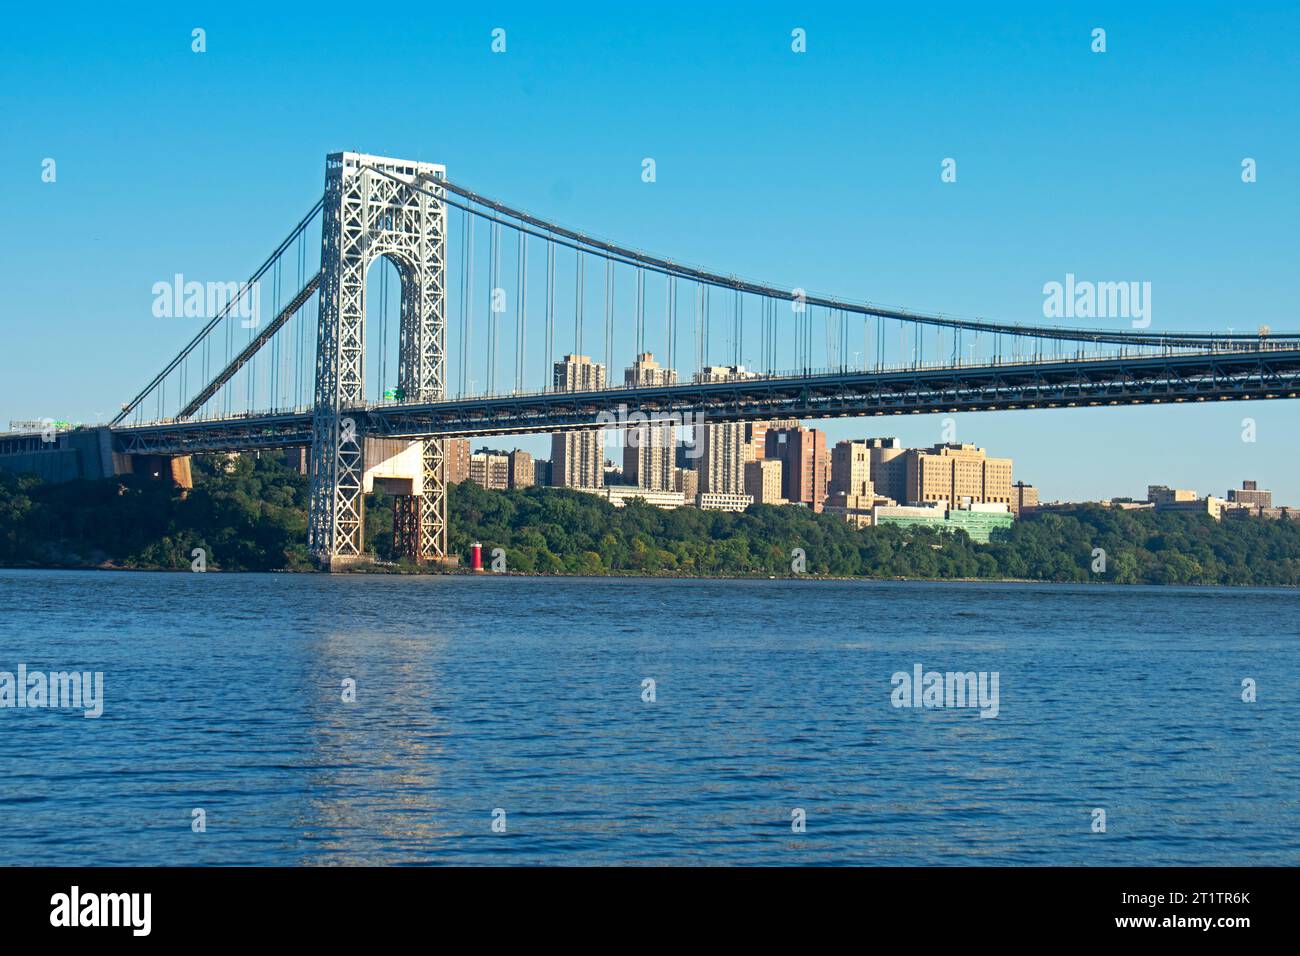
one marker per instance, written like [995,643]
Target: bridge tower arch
[371,210]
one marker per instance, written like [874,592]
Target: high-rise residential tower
[805,465]
[725,447]
[578,458]
[649,451]
[456,456]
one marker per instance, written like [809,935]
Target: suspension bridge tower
[377,207]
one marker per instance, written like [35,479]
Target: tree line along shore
[251,515]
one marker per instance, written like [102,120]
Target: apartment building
[578,458]
[805,465]
[455,455]
[948,473]
[763,481]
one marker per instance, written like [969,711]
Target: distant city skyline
[1205,475]
[1246,490]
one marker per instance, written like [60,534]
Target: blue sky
[818,170]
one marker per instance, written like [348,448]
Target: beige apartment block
[650,450]
[490,469]
[726,446]
[888,467]
[578,458]
[763,481]
[1164,495]
[851,469]
[949,473]
[648,455]
[646,371]
[578,373]
[1023,497]
[722,458]
[1210,505]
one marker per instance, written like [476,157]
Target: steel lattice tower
[371,211]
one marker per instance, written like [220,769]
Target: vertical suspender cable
[494,295]
[548,357]
[228,353]
[521,311]
[640,311]
[672,323]
[772,306]
[709,321]
[799,309]
[466,252]
[735,326]
[274,395]
[699,327]
[830,358]
[668,322]
[609,315]
[578,297]
[467,346]
[740,328]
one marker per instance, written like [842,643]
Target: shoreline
[808,576]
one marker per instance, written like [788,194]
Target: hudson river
[529,702]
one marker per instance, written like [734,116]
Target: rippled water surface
[525,694]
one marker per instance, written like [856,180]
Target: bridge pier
[402,469]
[406,526]
[420,514]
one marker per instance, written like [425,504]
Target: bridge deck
[1259,373]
